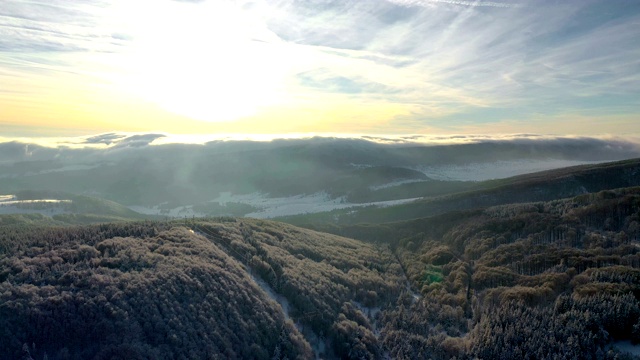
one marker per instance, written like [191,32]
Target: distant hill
[36,207]
[541,186]
[189,180]
[35,219]
[162,290]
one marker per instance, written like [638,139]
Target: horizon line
[156,138]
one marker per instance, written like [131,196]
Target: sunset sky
[319,66]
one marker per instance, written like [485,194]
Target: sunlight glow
[205,61]
[259,66]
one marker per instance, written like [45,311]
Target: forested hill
[541,186]
[164,291]
[233,177]
[544,280]
[133,292]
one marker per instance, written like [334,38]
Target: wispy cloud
[457,2]
[435,62]
[460,58]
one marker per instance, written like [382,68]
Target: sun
[209,61]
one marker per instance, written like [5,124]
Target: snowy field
[319,202]
[322,202]
[495,170]
[395,183]
[628,347]
[271,207]
[10,205]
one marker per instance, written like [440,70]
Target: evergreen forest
[540,280]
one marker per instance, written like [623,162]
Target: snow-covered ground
[495,170]
[284,303]
[271,207]
[178,212]
[628,347]
[318,345]
[10,205]
[39,201]
[283,206]
[7,198]
[395,183]
[304,204]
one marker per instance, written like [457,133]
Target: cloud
[136,141]
[460,58]
[440,64]
[325,80]
[54,26]
[382,150]
[457,2]
[106,139]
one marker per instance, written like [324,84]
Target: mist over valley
[283,177]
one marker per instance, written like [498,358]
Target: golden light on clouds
[266,66]
[210,64]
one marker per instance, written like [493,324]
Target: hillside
[62,208]
[160,290]
[134,291]
[556,280]
[541,186]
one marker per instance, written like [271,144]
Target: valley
[284,177]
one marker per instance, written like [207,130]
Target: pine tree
[26,355]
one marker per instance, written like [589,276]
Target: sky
[320,66]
